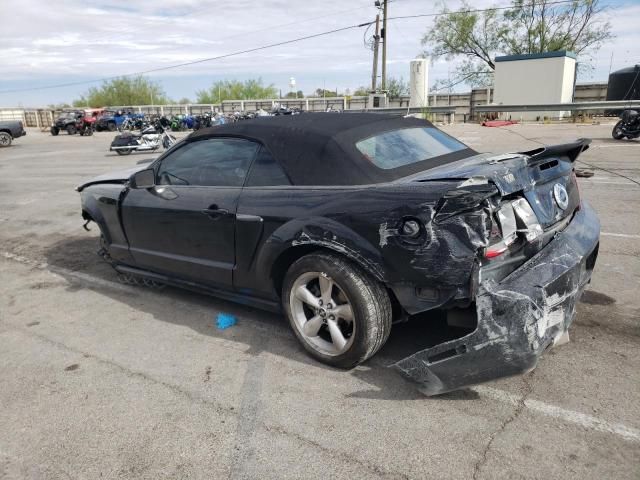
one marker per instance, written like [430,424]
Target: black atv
[75,121]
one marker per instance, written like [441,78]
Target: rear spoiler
[571,150]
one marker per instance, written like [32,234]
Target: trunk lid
[542,176]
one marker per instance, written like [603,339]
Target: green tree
[123,91]
[222,90]
[361,92]
[184,101]
[58,106]
[320,93]
[298,94]
[397,87]
[529,26]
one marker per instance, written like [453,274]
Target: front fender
[91,211]
[101,203]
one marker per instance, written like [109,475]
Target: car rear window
[406,146]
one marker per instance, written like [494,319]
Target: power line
[477,10]
[227,37]
[194,62]
[263,47]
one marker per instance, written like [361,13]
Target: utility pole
[384,45]
[376,45]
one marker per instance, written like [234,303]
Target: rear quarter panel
[360,223]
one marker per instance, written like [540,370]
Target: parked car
[10,130]
[349,222]
[74,121]
[111,120]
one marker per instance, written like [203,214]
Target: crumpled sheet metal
[517,319]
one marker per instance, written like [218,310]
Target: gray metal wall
[464,104]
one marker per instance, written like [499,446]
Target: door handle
[214,212]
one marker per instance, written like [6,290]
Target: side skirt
[231,296]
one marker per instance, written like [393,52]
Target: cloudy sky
[56,42]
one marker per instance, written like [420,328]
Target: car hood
[118,176]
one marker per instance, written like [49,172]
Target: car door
[266,202]
[185,225]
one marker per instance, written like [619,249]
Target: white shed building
[534,79]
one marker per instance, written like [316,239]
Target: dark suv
[10,130]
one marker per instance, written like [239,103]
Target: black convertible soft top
[319,148]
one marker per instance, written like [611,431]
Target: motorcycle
[86,127]
[628,126]
[133,123]
[148,140]
[202,121]
[178,123]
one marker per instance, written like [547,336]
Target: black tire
[55,131]
[5,139]
[71,129]
[617,131]
[124,151]
[111,126]
[368,298]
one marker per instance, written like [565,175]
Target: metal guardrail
[547,107]
[446,110]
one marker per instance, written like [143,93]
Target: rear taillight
[503,231]
[574,179]
[511,218]
[495,251]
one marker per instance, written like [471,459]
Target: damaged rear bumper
[518,318]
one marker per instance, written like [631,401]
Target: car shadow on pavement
[76,260]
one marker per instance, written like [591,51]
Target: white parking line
[600,182]
[622,235]
[586,421]
[570,416]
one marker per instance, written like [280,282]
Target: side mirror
[143,179]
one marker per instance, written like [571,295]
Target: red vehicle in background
[77,121]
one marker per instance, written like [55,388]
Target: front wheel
[617,132]
[5,139]
[111,126]
[340,314]
[55,131]
[124,151]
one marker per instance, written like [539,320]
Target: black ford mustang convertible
[349,222]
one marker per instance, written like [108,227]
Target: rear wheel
[111,126]
[55,131]
[71,129]
[124,151]
[339,313]
[617,132]
[5,139]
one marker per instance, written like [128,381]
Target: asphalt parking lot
[105,380]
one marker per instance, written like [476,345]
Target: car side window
[266,171]
[208,162]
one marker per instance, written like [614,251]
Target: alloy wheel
[322,314]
